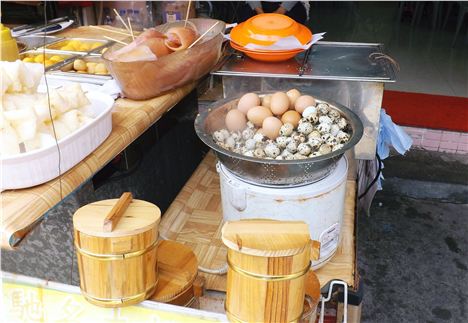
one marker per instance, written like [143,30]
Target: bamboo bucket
[116,247]
[267,266]
[179,283]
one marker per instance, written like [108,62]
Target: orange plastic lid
[267,28]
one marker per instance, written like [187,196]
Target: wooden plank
[189,221]
[22,208]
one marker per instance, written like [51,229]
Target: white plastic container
[41,165]
[321,205]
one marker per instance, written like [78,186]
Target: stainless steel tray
[326,61]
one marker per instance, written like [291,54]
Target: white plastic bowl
[41,165]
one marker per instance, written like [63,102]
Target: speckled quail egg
[250,125]
[323,108]
[334,114]
[304,149]
[305,128]
[325,119]
[314,143]
[230,142]
[282,141]
[236,135]
[332,141]
[248,133]
[250,144]
[337,147]
[272,150]
[312,118]
[285,153]
[258,137]
[324,149]
[299,156]
[286,130]
[292,146]
[259,153]
[279,157]
[324,137]
[218,136]
[324,128]
[342,136]
[299,137]
[289,157]
[334,129]
[309,111]
[314,134]
[342,123]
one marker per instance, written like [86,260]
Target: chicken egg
[291,117]
[247,102]
[279,103]
[293,94]
[303,102]
[266,101]
[271,127]
[256,115]
[235,120]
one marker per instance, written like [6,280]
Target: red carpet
[427,110]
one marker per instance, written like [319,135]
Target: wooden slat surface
[195,219]
[22,208]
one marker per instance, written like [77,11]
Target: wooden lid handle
[111,220]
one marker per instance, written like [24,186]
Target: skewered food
[152,44]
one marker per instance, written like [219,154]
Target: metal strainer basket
[267,172]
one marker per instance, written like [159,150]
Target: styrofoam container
[320,205]
[41,165]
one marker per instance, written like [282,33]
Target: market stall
[293,162]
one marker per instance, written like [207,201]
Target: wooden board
[195,219]
[21,209]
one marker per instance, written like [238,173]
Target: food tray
[48,54]
[56,46]
[41,165]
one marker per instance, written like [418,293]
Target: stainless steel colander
[267,172]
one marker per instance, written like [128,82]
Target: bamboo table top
[21,209]
[195,219]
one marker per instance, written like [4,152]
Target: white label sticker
[329,240]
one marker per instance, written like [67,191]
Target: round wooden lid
[140,216]
[178,268]
[266,238]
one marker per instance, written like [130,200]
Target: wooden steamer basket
[116,246]
[268,262]
[179,283]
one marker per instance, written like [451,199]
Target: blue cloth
[390,135]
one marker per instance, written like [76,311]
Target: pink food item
[152,39]
[179,38]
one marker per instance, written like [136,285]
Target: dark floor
[413,249]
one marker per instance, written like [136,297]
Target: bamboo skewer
[131,29]
[116,40]
[206,32]
[110,30]
[187,14]
[121,20]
